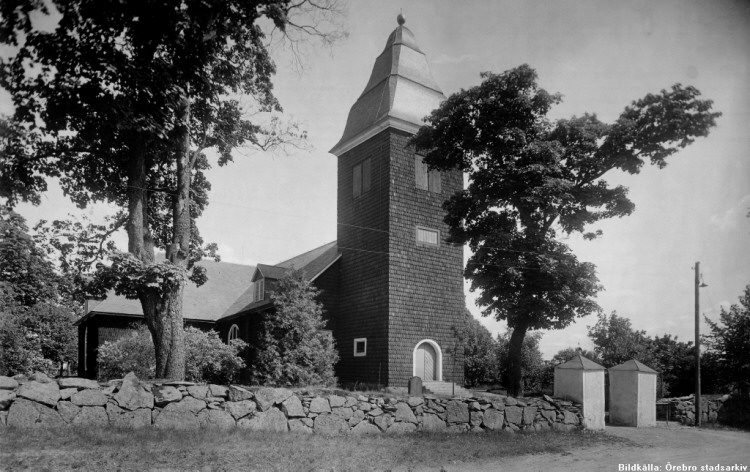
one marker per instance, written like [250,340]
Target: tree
[616,342]
[730,340]
[564,355]
[119,101]
[531,179]
[36,312]
[480,354]
[294,347]
[532,364]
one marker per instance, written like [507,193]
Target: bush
[207,358]
[294,348]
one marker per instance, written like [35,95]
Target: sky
[601,56]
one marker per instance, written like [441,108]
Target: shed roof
[580,363]
[399,94]
[226,282]
[634,365]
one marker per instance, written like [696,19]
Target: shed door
[425,360]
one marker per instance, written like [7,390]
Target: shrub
[207,358]
[294,348]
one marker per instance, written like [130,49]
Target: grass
[168,450]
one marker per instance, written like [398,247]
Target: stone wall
[682,410]
[40,401]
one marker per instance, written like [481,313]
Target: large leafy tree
[615,341]
[119,99]
[730,341]
[531,179]
[480,354]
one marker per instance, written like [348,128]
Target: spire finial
[400,19]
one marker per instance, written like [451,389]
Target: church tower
[401,288]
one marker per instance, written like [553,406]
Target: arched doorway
[428,361]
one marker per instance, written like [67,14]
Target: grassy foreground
[164,450]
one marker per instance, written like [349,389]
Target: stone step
[445,389]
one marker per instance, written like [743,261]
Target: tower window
[362,177]
[426,179]
[427,237]
[360,347]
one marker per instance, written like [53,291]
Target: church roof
[580,363]
[400,93]
[225,283]
[634,365]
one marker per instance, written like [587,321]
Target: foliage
[564,355]
[208,358]
[615,342]
[480,354]
[533,366]
[211,360]
[730,340]
[36,313]
[294,348]
[530,179]
[119,100]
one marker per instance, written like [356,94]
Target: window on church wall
[426,179]
[362,178]
[428,237]
[259,290]
[234,333]
[360,347]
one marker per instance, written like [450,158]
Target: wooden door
[425,361]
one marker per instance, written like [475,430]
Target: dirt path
[658,446]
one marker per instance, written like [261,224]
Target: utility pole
[698,285]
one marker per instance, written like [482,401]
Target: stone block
[77,383]
[25,414]
[457,412]
[529,413]
[193,405]
[66,393]
[356,417]
[91,416]
[415,401]
[47,393]
[6,398]
[240,409]
[171,418]
[292,407]
[237,394]
[319,405]
[297,426]
[364,427]
[342,412]
[336,401]
[549,415]
[514,415]
[89,397]
[432,423]
[493,419]
[404,413]
[270,420]
[67,410]
[570,418]
[198,391]
[8,383]
[217,391]
[132,395]
[477,418]
[165,394]
[216,419]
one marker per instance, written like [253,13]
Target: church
[391,285]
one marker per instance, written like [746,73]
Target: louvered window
[362,178]
[426,179]
[259,293]
[427,236]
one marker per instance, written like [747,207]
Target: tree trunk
[515,358]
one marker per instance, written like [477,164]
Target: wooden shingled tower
[401,290]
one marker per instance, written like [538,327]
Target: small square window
[426,179]
[360,347]
[427,236]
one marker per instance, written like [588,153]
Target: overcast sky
[600,56]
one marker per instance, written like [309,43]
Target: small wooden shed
[582,380]
[632,394]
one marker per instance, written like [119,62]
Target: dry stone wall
[43,402]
